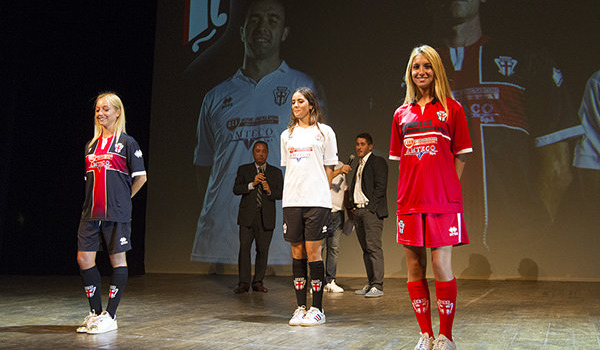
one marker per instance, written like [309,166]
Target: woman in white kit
[309,153]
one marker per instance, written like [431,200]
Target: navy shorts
[302,224]
[115,235]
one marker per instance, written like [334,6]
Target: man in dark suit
[369,208]
[260,185]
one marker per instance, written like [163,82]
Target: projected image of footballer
[250,106]
[114,174]
[519,118]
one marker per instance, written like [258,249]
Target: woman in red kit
[430,138]
[114,174]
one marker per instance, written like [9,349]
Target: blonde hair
[441,86]
[116,102]
[316,116]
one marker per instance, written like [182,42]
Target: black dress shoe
[258,287]
[241,288]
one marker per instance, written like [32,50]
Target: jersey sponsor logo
[280,95]
[445,307]
[250,130]
[442,116]
[138,153]
[205,22]
[299,153]
[317,285]
[484,111]
[90,290]
[557,76]
[421,306]
[299,283]
[453,231]
[119,147]
[123,241]
[421,150]
[112,292]
[506,65]
[401,227]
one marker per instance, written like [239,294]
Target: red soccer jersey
[425,144]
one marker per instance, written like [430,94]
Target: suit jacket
[245,175]
[374,185]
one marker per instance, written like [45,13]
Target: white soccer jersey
[234,115]
[304,154]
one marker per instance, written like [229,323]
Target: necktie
[259,189]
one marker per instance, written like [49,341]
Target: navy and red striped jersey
[110,166]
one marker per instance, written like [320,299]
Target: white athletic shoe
[333,288]
[425,342]
[87,322]
[102,324]
[299,314]
[313,317]
[443,343]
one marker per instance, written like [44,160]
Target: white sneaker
[299,314]
[102,324]
[313,317]
[443,343]
[425,342]
[87,322]
[333,288]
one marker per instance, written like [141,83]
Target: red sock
[446,303]
[419,296]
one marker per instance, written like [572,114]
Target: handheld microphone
[350,159]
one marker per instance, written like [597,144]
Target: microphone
[350,159]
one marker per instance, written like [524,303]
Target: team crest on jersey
[557,76]
[90,290]
[453,231]
[401,227]
[113,291]
[316,285]
[299,283]
[442,116]
[281,94]
[506,65]
[118,147]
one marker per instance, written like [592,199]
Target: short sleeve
[205,148]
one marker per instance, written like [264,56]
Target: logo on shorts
[324,230]
[445,307]
[421,306]
[316,285]
[123,241]
[284,228]
[401,227]
[90,290]
[453,231]
[299,283]
[113,291]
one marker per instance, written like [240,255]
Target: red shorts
[431,230]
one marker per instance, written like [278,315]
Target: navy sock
[117,286]
[317,276]
[300,271]
[92,282]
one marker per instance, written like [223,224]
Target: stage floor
[201,312]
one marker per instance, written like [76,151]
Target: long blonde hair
[116,102]
[441,86]
[316,116]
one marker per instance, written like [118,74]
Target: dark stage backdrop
[357,52]
[56,57]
